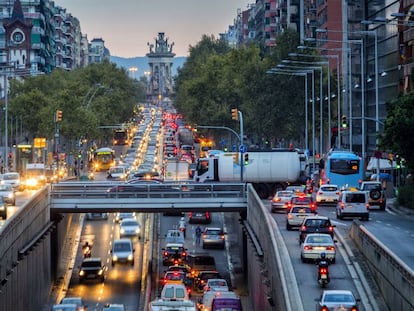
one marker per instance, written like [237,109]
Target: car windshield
[175,276]
[355,198]
[317,223]
[172,292]
[122,247]
[284,194]
[301,200]
[10,176]
[213,232]
[5,188]
[319,239]
[217,283]
[372,187]
[129,223]
[329,188]
[339,298]
[301,210]
[89,264]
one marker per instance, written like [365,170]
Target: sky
[127,26]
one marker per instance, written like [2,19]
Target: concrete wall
[272,282]
[394,278]
[25,256]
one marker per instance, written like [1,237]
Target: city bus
[103,159]
[342,168]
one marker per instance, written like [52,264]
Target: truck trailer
[176,170]
[268,171]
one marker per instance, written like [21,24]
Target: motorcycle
[323,273]
[87,251]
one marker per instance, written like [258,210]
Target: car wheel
[302,259]
[333,260]
[204,246]
[288,227]
[375,194]
[113,264]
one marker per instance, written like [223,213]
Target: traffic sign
[242,148]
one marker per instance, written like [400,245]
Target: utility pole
[57,118]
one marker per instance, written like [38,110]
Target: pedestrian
[198,235]
[182,226]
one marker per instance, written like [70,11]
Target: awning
[384,164]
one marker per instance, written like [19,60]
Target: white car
[7,192]
[280,200]
[219,285]
[113,307]
[337,300]
[130,227]
[75,300]
[13,179]
[327,194]
[353,204]
[317,243]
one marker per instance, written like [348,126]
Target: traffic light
[246,158]
[58,116]
[344,122]
[234,114]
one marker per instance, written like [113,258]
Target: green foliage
[406,196]
[100,94]
[398,135]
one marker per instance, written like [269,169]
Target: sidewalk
[393,206]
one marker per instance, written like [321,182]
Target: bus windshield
[103,159]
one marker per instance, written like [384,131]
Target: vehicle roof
[174,245]
[123,240]
[317,217]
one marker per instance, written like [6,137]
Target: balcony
[409,35]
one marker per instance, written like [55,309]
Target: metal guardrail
[80,197]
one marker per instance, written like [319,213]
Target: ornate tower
[160,60]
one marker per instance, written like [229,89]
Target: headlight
[137,230]
[81,273]
[122,230]
[130,257]
[10,195]
[114,258]
[100,272]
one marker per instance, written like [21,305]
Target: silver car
[213,237]
[327,194]
[7,193]
[337,300]
[130,227]
[280,200]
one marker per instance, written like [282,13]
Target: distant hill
[142,64]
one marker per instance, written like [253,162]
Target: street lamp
[91,94]
[320,97]
[307,70]
[133,71]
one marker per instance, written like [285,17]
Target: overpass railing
[79,197]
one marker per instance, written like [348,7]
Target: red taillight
[222,236]
[204,236]
[330,248]
[202,282]
[307,248]
[277,199]
[175,273]
[164,281]
[184,254]
[324,308]
[303,228]
[323,271]
[342,205]
[190,214]
[320,192]
[207,215]
[354,309]
[165,253]
[330,228]
[367,206]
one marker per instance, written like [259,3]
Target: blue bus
[342,168]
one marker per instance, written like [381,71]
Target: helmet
[182,219]
[323,255]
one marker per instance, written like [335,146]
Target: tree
[398,135]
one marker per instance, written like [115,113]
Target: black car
[174,253]
[201,279]
[199,217]
[92,268]
[315,224]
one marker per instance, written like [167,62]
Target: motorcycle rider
[323,269]
[86,249]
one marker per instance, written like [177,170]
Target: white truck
[34,176]
[267,170]
[174,297]
[176,170]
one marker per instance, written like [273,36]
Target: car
[296,215]
[376,194]
[213,237]
[174,292]
[92,268]
[202,277]
[317,243]
[96,216]
[302,200]
[113,307]
[130,227]
[280,200]
[174,253]
[121,215]
[199,217]
[219,285]
[200,262]
[297,190]
[78,301]
[353,204]
[334,299]
[13,179]
[3,209]
[315,224]
[174,236]
[65,307]
[122,252]
[327,194]
[7,192]
[177,277]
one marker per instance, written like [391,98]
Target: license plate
[319,248]
[324,276]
